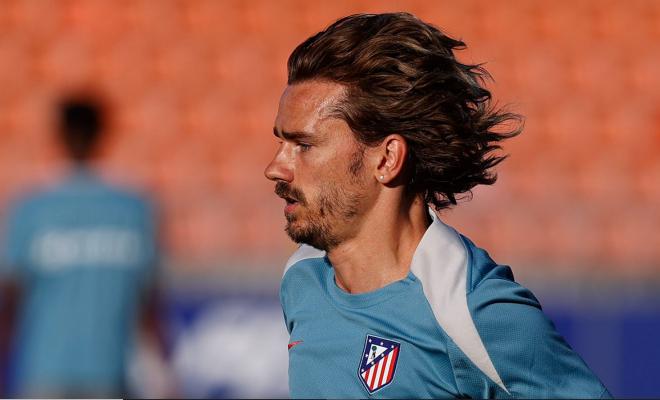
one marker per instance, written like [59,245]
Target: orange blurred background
[193,88]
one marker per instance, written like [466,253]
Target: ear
[393,152]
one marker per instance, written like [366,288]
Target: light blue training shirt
[457,326]
[82,250]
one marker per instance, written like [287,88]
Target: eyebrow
[296,135]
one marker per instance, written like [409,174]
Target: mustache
[285,190]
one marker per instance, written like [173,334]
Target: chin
[298,234]
[314,236]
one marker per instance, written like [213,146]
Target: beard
[336,207]
[320,227]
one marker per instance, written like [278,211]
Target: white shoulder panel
[440,263]
[304,252]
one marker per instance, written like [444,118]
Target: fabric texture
[464,326]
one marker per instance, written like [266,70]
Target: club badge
[378,363]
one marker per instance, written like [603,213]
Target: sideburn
[357,161]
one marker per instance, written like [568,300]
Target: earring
[381,177]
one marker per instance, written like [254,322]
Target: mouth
[289,199]
[291,204]
[290,196]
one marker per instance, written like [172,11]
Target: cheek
[317,171]
[310,175]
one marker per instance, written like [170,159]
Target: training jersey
[457,326]
[82,251]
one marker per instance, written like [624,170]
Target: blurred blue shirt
[83,251]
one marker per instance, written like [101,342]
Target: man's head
[392,86]
[318,167]
[80,124]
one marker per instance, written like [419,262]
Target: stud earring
[381,177]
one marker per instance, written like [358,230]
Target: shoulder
[530,356]
[302,280]
[496,324]
[124,194]
[303,268]
[124,200]
[444,263]
[25,206]
[304,253]
[481,266]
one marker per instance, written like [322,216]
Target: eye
[304,147]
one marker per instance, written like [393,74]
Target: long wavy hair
[402,77]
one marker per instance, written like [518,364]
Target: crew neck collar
[367,299]
[431,249]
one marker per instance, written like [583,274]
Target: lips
[291,202]
[290,207]
[292,196]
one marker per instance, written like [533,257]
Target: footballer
[381,127]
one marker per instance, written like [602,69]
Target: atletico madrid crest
[378,362]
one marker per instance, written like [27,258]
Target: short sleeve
[531,357]
[284,302]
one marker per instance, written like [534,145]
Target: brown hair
[402,77]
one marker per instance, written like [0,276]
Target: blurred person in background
[82,257]
[378,122]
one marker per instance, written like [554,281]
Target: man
[82,253]
[379,121]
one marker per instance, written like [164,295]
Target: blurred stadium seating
[194,87]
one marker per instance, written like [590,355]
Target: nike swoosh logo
[297,342]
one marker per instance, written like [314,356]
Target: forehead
[305,105]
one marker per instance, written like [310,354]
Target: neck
[382,250]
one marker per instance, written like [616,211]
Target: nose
[280,167]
